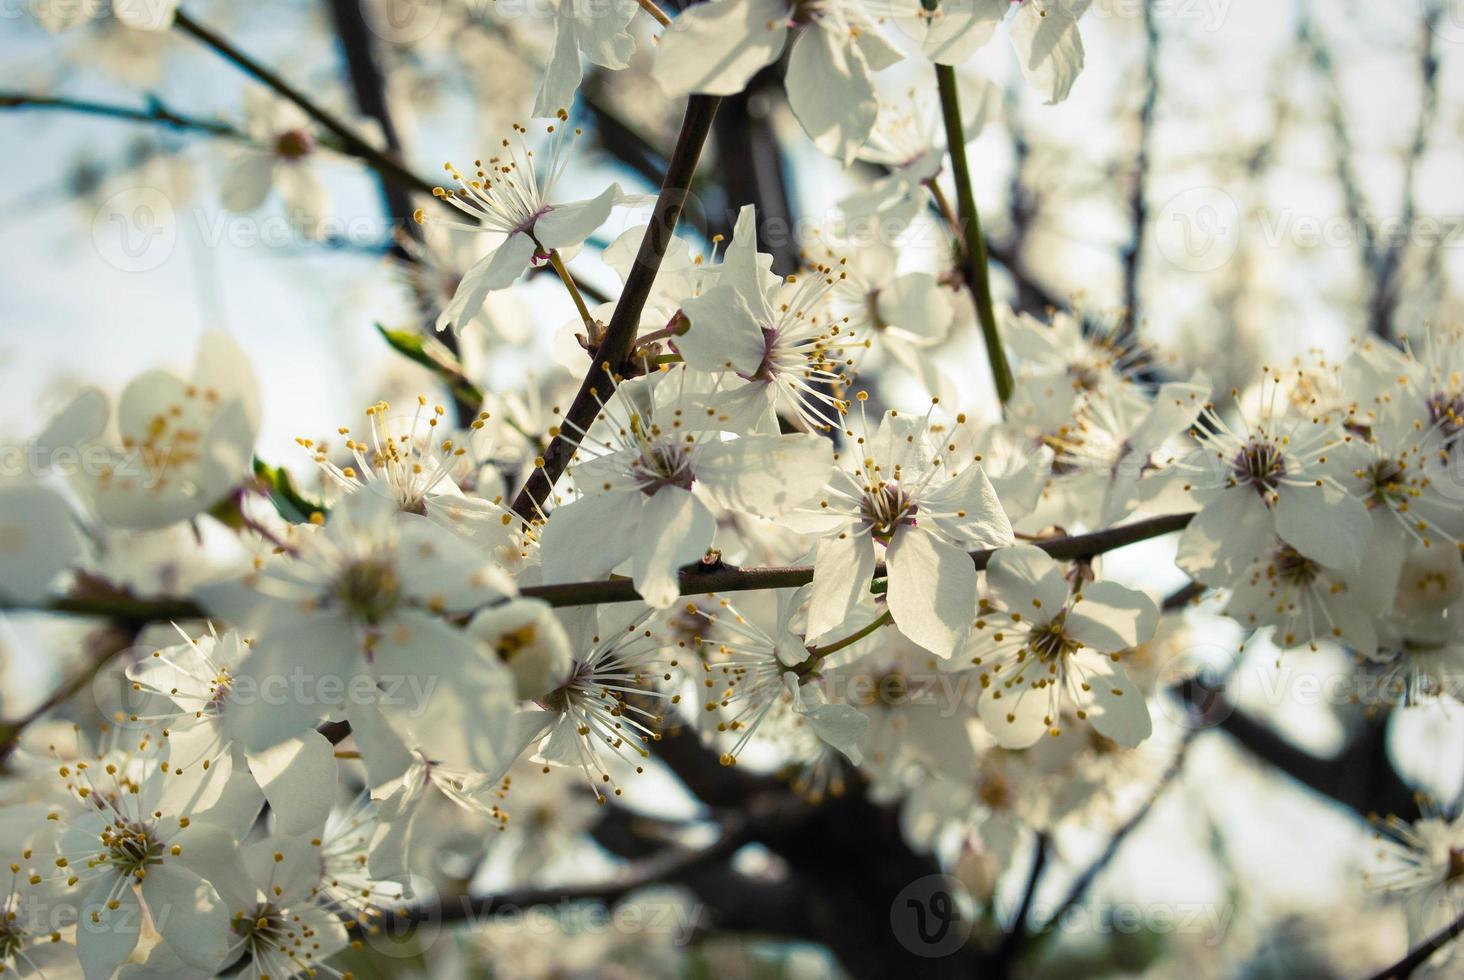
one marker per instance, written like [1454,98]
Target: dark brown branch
[1138,188]
[534,499]
[1016,931]
[669,866]
[693,580]
[1360,777]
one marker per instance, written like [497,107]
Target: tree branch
[351,142]
[693,580]
[1405,967]
[609,360]
[156,113]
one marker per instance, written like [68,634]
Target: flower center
[369,589]
[1446,411]
[1261,465]
[559,698]
[1294,568]
[131,848]
[262,930]
[294,144]
[662,465]
[1051,642]
[886,507]
[1385,479]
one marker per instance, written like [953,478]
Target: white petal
[39,538]
[1117,710]
[843,565]
[831,92]
[246,181]
[1016,717]
[563,73]
[496,270]
[589,537]
[104,942]
[1325,523]
[384,753]
[298,777]
[716,47]
[570,224]
[918,305]
[764,474]
[275,694]
[189,913]
[963,27]
[83,420]
[1026,578]
[1048,46]
[1110,618]
[932,590]
[1226,537]
[675,530]
[966,510]
[724,333]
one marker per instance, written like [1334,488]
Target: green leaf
[291,504]
[436,358]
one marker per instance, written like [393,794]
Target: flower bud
[526,635]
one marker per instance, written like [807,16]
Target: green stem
[884,619]
[973,251]
[569,284]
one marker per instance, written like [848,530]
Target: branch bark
[533,500]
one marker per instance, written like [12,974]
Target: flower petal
[715,47]
[765,474]
[675,530]
[1025,578]
[297,777]
[1109,618]
[570,224]
[831,92]
[843,565]
[1325,523]
[932,590]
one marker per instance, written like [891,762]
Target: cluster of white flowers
[746,547]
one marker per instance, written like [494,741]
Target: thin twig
[1404,968]
[351,142]
[156,113]
[1016,933]
[973,243]
[1090,874]
[670,866]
